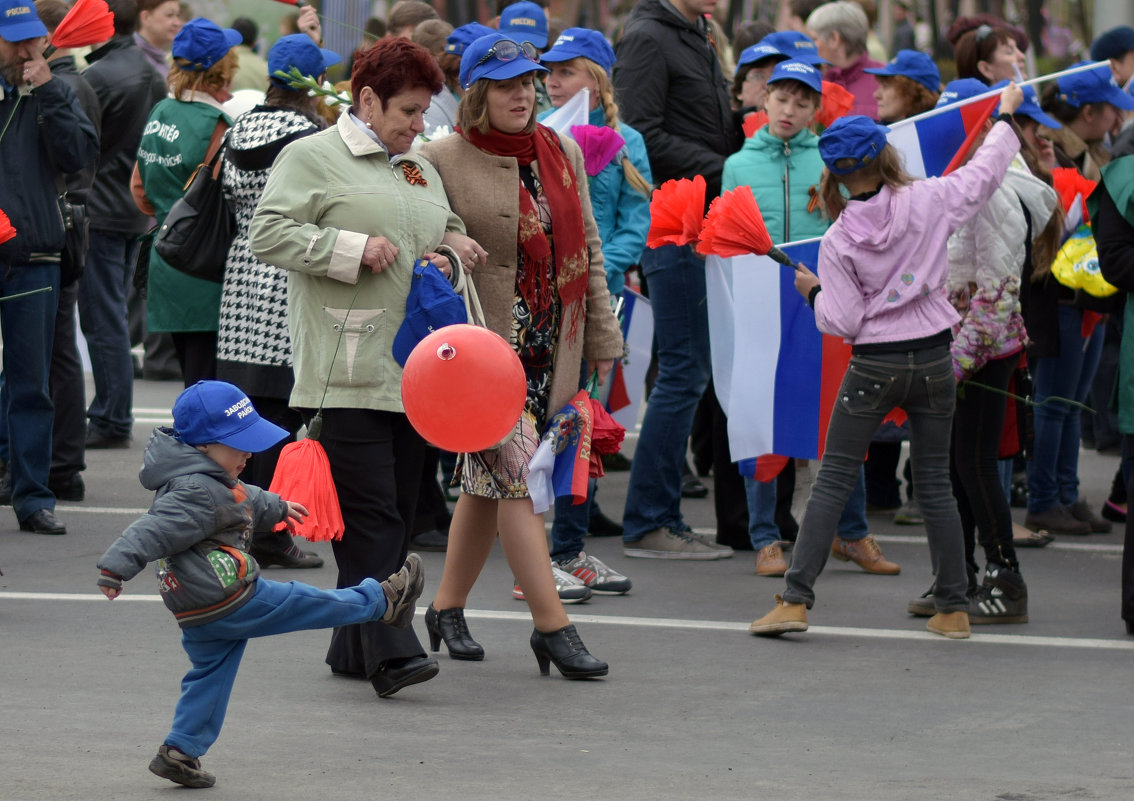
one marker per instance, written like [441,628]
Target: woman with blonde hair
[185,130]
[543,288]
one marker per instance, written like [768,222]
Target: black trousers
[197,355]
[68,392]
[975,465]
[376,463]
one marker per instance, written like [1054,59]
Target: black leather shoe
[97,440]
[70,488]
[691,487]
[567,651]
[449,625]
[602,526]
[42,521]
[292,558]
[434,540]
[403,673]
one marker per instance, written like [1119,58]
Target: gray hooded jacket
[197,531]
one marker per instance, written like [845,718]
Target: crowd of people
[958,294]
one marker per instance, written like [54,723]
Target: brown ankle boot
[866,553]
[785,617]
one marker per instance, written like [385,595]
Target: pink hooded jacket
[884,261]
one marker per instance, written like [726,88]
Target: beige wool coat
[483,190]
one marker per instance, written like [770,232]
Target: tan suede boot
[954,625]
[785,617]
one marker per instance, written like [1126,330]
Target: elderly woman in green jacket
[348,211]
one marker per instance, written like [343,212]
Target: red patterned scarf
[571,266]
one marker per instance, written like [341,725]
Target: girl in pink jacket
[883,265]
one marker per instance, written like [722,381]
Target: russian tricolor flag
[776,375]
[936,142]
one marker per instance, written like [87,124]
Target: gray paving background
[866,705]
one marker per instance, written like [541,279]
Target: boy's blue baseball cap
[478,61]
[464,36]
[1030,107]
[203,43]
[794,45]
[962,89]
[581,43]
[797,71]
[853,137]
[19,21]
[1093,86]
[216,411]
[758,52]
[912,64]
[300,51]
[525,22]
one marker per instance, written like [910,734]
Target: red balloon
[463,388]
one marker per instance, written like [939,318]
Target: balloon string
[1028,400]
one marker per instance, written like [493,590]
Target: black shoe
[70,488]
[1001,598]
[1111,510]
[5,485]
[449,625]
[615,463]
[434,541]
[691,487]
[567,651]
[293,558]
[603,526]
[401,673]
[96,440]
[42,521]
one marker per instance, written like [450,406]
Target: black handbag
[73,258]
[195,236]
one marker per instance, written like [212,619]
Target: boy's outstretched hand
[111,592]
[295,514]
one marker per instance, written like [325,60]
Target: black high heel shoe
[449,625]
[566,650]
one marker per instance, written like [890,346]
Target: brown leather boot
[770,561]
[866,553]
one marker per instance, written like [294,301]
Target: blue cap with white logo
[794,45]
[912,64]
[1093,86]
[525,22]
[19,21]
[216,411]
[797,71]
[581,43]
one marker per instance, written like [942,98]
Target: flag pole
[933,112]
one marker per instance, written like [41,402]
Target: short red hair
[393,65]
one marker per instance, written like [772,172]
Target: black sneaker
[180,768]
[1001,598]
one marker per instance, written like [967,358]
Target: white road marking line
[905,539]
[103,510]
[676,623]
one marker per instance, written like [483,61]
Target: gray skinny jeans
[920,382]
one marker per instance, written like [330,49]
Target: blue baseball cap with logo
[962,89]
[794,45]
[525,22]
[216,411]
[203,43]
[912,64]
[581,43]
[300,51]
[797,71]
[1030,107]
[19,21]
[756,53]
[1093,86]
[464,36]
[853,137]
[498,57]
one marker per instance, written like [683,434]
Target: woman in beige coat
[522,193]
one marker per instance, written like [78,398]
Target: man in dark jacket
[127,86]
[671,88]
[44,132]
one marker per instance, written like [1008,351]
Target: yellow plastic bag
[1076,266]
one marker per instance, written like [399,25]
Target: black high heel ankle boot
[449,625]
[566,650]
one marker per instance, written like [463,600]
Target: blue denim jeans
[1053,472]
[920,382]
[762,528]
[215,649]
[102,315]
[676,277]
[27,326]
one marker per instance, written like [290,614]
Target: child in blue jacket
[782,165]
[198,531]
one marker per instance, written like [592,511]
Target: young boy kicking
[198,531]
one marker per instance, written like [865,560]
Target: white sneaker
[596,575]
[571,590]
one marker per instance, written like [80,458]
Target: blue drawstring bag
[432,303]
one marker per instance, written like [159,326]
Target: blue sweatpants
[215,648]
